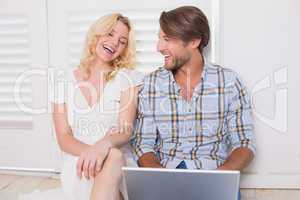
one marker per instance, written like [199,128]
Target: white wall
[260,40]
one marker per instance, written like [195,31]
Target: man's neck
[189,75]
[191,71]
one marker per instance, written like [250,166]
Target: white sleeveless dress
[88,124]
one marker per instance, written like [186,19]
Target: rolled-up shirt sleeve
[239,118]
[145,130]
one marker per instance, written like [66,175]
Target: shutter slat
[7,100]
[14,62]
[13,52]
[17,41]
[19,32]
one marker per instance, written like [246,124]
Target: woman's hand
[91,159]
[113,131]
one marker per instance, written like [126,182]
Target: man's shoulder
[219,72]
[160,74]
[155,81]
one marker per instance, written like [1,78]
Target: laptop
[181,184]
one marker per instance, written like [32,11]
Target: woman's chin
[106,58]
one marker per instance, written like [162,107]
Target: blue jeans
[182,165]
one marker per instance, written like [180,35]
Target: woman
[101,93]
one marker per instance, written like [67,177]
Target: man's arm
[145,131]
[240,129]
[238,159]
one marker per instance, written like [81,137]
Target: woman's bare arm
[64,135]
[127,115]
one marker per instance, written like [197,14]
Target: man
[192,114]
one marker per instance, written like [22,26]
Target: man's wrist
[226,166]
[223,167]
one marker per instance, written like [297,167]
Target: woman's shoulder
[62,74]
[130,77]
[131,73]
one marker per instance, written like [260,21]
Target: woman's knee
[116,156]
[112,167]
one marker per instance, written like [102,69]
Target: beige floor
[12,185]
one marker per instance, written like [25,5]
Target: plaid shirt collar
[170,75]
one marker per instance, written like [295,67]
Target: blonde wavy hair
[101,27]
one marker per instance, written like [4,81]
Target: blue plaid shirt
[202,131]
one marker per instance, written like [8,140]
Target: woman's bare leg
[107,182]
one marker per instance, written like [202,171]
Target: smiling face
[110,46]
[175,51]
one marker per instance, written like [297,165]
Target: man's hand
[238,159]
[149,160]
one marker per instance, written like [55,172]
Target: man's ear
[195,43]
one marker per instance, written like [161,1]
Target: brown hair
[186,23]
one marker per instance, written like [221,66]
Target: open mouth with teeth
[108,49]
[167,57]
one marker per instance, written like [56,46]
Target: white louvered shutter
[25,138]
